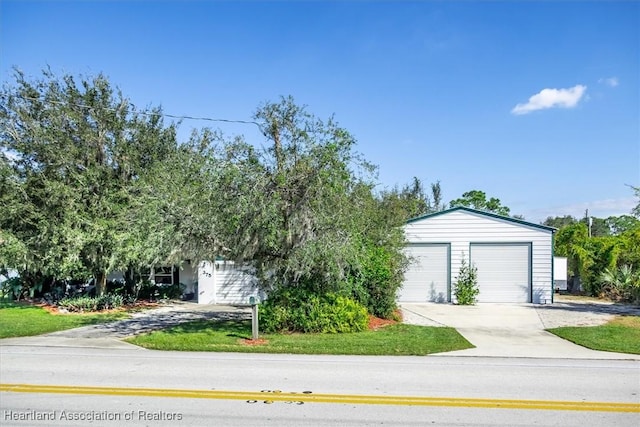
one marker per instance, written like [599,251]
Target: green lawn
[621,335]
[232,336]
[22,320]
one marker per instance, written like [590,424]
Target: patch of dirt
[142,305]
[52,309]
[250,342]
[376,323]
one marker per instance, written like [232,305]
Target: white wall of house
[223,282]
[206,283]
[219,282]
[10,273]
[464,229]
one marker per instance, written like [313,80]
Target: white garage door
[427,278]
[503,272]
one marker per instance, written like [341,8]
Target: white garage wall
[462,226]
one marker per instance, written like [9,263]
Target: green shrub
[376,283]
[273,318]
[120,287]
[146,289]
[79,304]
[17,288]
[466,286]
[621,283]
[110,301]
[85,303]
[173,291]
[12,288]
[293,310]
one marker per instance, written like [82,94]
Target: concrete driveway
[497,330]
[502,330]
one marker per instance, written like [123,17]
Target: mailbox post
[254,317]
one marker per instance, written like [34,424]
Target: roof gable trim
[483,213]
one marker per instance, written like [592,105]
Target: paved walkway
[518,330]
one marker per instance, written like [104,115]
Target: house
[222,282]
[210,282]
[514,258]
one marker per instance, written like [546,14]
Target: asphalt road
[214,389]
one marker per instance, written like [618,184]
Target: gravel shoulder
[567,311]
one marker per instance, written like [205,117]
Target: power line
[144,113]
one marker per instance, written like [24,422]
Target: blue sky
[536,103]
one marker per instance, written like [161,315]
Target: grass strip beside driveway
[23,320]
[620,335]
[234,336]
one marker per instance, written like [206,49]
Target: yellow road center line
[552,405]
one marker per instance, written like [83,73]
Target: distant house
[514,258]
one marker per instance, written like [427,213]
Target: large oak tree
[72,154]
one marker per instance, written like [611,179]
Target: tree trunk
[101,283]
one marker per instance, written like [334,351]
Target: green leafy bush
[376,284]
[17,288]
[621,284]
[12,288]
[466,286]
[173,291]
[110,301]
[148,290]
[79,304]
[293,310]
[86,303]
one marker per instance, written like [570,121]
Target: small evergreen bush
[466,285]
[293,310]
[173,291]
[86,303]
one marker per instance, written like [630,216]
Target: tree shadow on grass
[231,327]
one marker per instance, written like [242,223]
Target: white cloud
[551,98]
[610,81]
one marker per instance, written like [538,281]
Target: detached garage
[514,258]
